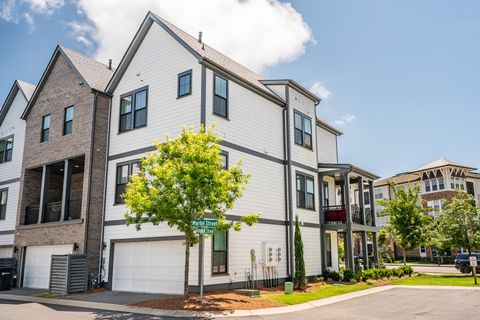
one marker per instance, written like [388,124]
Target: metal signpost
[202,227]
[473,264]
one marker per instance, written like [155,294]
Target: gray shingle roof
[27,88]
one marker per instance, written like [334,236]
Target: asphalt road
[395,304]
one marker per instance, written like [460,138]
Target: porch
[347,208]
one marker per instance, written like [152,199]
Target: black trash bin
[6,279]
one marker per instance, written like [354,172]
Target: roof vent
[109,64]
[200,36]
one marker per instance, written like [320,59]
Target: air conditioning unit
[272,254]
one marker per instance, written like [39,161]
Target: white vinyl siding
[326,146]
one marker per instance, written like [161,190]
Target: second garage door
[153,266]
[36,272]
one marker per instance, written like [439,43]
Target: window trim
[306,176]
[225,153]
[130,164]
[133,94]
[227,113]
[6,203]
[180,75]
[329,264]
[65,119]
[303,116]
[216,274]
[43,129]
[5,139]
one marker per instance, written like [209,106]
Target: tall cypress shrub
[300,279]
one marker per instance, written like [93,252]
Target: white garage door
[37,264]
[6,252]
[153,266]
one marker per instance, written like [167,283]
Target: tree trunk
[404,256]
[187,267]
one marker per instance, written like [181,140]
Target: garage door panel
[37,264]
[153,266]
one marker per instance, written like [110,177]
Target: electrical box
[272,254]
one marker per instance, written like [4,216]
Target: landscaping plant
[300,278]
[183,180]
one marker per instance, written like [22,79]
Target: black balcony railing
[31,214]
[356,217]
[74,209]
[369,217]
[52,212]
[335,214]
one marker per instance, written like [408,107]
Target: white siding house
[12,133]
[271,125]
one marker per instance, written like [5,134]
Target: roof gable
[441,162]
[204,53]
[25,88]
[95,75]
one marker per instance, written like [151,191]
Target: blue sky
[403,75]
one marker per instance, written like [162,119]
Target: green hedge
[348,275]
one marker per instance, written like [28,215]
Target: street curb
[190,314]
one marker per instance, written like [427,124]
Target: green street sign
[205,230]
[205,223]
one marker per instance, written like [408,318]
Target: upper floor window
[124,171]
[457,183]
[224,156]
[68,121]
[6,149]
[45,128]
[303,130]
[220,252]
[184,83]
[435,207]
[133,110]
[434,184]
[305,192]
[220,96]
[3,203]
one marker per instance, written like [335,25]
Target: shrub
[331,275]
[407,270]
[348,275]
[317,279]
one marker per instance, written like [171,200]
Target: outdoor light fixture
[75,246]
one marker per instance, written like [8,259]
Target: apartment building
[438,180]
[62,172]
[12,133]
[168,79]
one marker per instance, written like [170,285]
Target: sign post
[202,227]
[473,264]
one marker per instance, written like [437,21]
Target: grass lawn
[48,295]
[441,280]
[319,292]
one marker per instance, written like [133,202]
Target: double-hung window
[68,121]
[45,128]
[3,203]
[328,246]
[224,156]
[305,192]
[220,252]
[124,171]
[220,96]
[184,84]
[303,130]
[6,149]
[133,110]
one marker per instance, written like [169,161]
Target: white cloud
[44,6]
[319,89]
[345,119]
[7,11]
[29,20]
[81,32]
[257,33]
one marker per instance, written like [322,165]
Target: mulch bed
[219,301]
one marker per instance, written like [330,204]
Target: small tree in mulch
[300,279]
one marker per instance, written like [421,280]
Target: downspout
[100,262]
[289,178]
[285,176]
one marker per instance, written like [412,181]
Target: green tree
[182,181]
[458,224]
[300,277]
[407,219]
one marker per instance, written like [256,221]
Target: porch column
[372,203]
[361,200]
[375,249]
[43,192]
[364,249]
[321,220]
[67,185]
[349,263]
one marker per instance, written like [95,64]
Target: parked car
[462,262]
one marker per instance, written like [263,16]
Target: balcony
[338,215]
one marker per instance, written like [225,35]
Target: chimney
[109,64]
[200,36]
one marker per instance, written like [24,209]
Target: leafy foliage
[182,181]
[300,277]
[408,222]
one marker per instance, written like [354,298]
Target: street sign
[205,226]
[473,261]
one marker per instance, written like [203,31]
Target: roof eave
[294,85]
[328,127]
[9,100]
